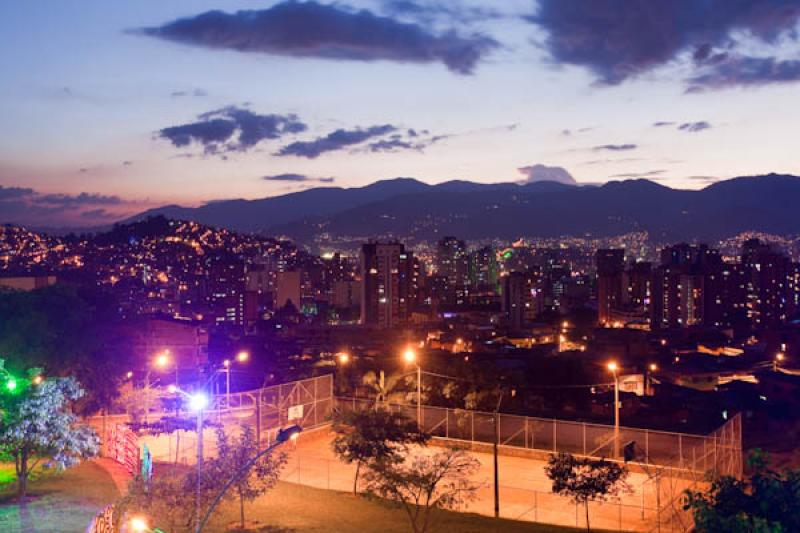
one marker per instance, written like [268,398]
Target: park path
[117,472]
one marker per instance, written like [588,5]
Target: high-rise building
[610,267]
[387,286]
[452,263]
[522,298]
[226,288]
[769,290]
[687,287]
[483,268]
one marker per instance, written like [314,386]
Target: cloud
[22,205]
[127,163]
[705,179]
[13,193]
[694,127]
[647,174]
[535,173]
[744,71]
[310,29]
[431,11]
[662,123]
[231,129]
[194,92]
[82,199]
[334,141]
[621,39]
[297,178]
[615,147]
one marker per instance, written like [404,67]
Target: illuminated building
[387,285]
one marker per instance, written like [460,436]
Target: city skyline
[111,110]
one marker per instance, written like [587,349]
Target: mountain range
[407,208]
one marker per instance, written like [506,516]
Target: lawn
[297,508]
[61,502]
[65,503]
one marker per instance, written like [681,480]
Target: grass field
[60,503]
[65,503]
[296,508]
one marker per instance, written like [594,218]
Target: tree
[368,435]
[767,502]
[585,480]
[38,424]
[386,390]
[234,455]
[424,483]
[168,499]
[67,331]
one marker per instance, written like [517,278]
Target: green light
[11,384]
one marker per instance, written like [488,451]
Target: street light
[284,435]
[242,356]
[162,361]
[410,356]
[139,525]
[343,358]
[197,402]
[777,361]
[612,367]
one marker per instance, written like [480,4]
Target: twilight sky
[113,107]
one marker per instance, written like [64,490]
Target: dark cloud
[13,193]
[744,71]
[82,199]
[609,161]
[693,127]
[231,129]
[127,163]
[310,29]
[647,174]
[194,92]
[23,205]
[620,39]
[335,141]
[662,123]
[431,11]
[615,147]
[297,178]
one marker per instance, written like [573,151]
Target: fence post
[646,447]
[583,425]
[526,432]
[472,418]
[447,423]
[555,448]
[258,420]
[680,450]
[536,506]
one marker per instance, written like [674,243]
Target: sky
[110,108]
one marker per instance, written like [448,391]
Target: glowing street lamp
[613,367]
[343,358]
[777,361]
[243,356]
[139,525]
[163,360]
[410,356]
[197,402]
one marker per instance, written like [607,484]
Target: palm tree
[386,390]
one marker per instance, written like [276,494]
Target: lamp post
[162,361]
[777,361]
[612,366]
[241,357]
[197,403]
[290,433]
[410,356]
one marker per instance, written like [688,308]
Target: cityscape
[227,305]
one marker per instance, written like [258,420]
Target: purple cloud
[615,147]
[337,140]
[693,127]
[620,39]
[231,129]
[310,29]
